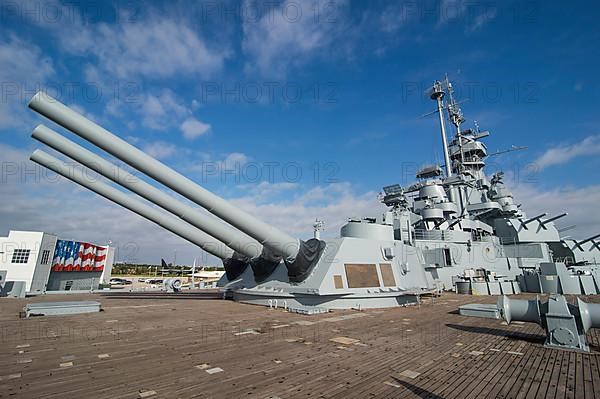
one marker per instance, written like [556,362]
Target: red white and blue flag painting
[78,257]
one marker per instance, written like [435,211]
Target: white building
[47,263]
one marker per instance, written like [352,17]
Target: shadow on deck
[420,392]
[516,335]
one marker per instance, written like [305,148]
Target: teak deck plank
[176,333]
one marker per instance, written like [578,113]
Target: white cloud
[580,202]
[332,203]
[158,46]
[478,22]
[161,110]
[235,159]
[23,67]
[265,190]
[160,149]
[463,13]
[393,18]
[22,61]
[228,169]
[564,153]
[78,108]
[192,128]
[285,38]
[222,166]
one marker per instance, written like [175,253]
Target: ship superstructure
[460,217]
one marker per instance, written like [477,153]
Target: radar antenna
[437,94]
[456,116]
[511,149]
[318,226]
[393,196]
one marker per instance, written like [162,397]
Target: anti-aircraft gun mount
[453,219]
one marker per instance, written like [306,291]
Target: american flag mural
[78,257]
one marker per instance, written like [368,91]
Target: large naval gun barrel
[170,223]
[280,243]
[240,242]
[258,244]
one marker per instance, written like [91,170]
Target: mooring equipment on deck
[565,324]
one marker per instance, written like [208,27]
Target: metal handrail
[439,235]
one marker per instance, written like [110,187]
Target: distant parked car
[119,281]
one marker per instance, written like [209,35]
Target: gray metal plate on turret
[550,284]
[570,284]
[589,287]
[480,288]
[507,287]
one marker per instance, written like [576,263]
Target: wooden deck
[175,346]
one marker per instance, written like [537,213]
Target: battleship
[455,227]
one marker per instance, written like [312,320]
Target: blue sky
[224,90]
